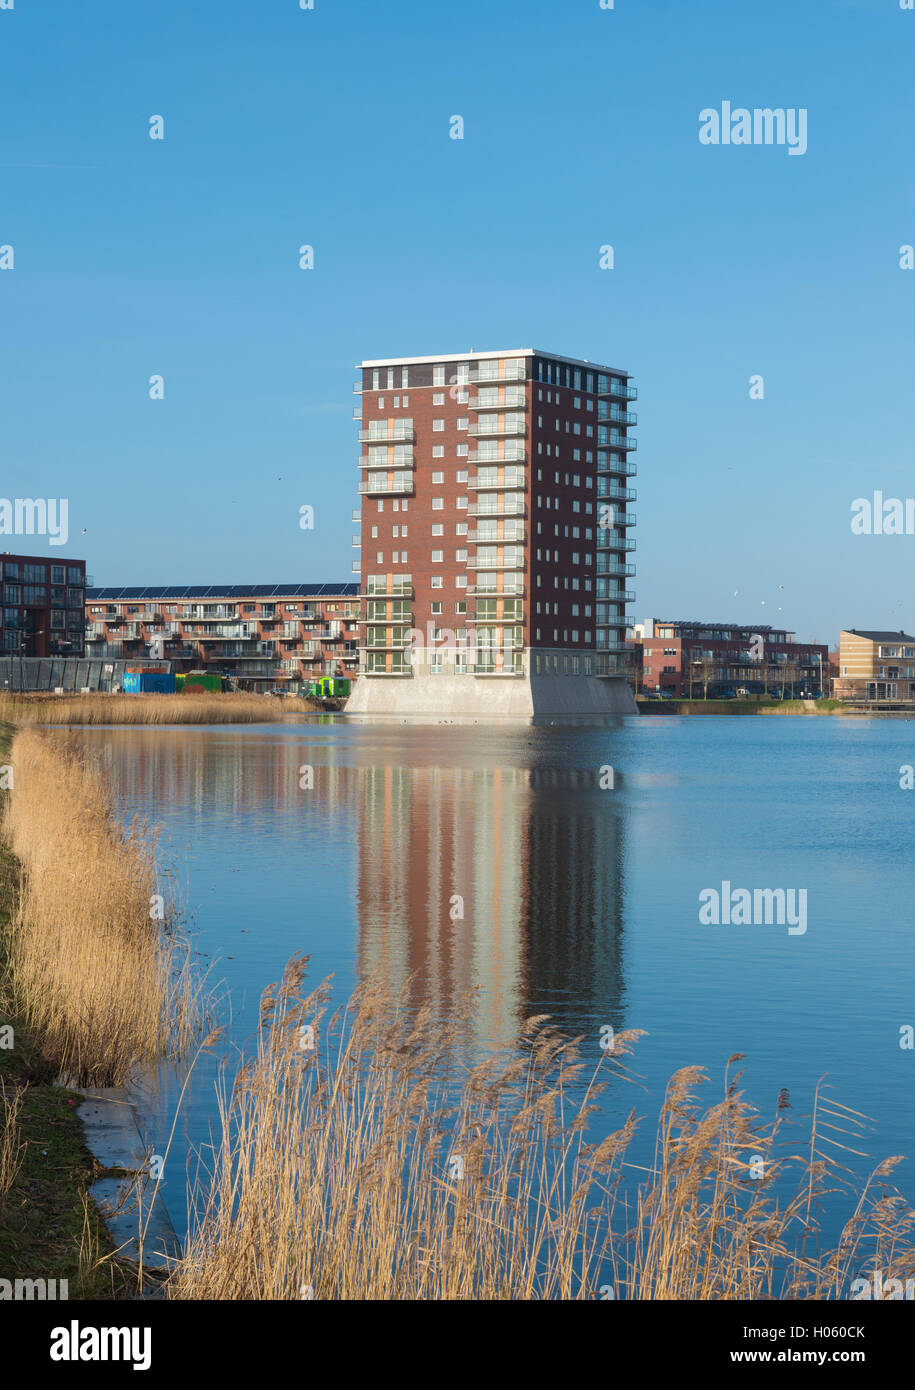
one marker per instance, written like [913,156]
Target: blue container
[149,683]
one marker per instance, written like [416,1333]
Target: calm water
[578,902]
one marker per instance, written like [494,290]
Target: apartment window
[461,556]
[461,477]
[461,581]
[438,398]
[390,377]
[438,504]
[436,609]
[462,450]
[436,581]
[438,529]
[461,528]
[438,452]
[438,376]
[460,605]
[403,557]
[463,423]
[438,426]
[438,477]
[376,379]
[460,503]
[438,557]
[405,376]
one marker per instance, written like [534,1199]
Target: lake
[492,857]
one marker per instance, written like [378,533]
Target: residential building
[875,665]
[259,635]
[705,660]
[495,534]
[43,612]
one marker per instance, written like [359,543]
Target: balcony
[626,468]
[514,536]
[397,590]
[616,386]
[512,482]
[613,412]
[495,622]
[406,488]
[512,452]
[508,586]
[620,441]
[617,519]
[394,434]
[366,461]
[512,665]
[513,399]
[515,562]
[615,493]
[516,370]
[614,567]
[510,506]
[490,428]
[606,540]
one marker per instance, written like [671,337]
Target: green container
[201,680]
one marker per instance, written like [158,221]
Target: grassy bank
[49,1226]
[360,1160]
[101,986]
[190,708]
[738,707]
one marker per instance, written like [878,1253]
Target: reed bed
[185,708]
[96,968]
[363,1161]
[11,1150]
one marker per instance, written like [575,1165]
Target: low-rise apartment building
[693,660]
[44,603]
[259,635]
[875,665]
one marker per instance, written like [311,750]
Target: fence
[67,673]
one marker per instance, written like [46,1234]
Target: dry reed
[372,1165]
[95,972]
[11,1152]
[186,708]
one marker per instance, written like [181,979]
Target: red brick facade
[494,514]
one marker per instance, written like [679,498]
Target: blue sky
[330,127]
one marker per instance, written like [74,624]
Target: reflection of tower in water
[505,879]
[573,903]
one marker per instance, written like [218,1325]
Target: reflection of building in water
[227,774]
[502,878]
[573,907]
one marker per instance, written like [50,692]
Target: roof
[874,636]
[473,356]
[214,591]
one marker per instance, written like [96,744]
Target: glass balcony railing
[382,433]
[512,399]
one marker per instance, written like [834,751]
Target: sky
[330,127]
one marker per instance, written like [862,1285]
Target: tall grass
[11,1151]
[100,984]
[187,708]
[372,1165]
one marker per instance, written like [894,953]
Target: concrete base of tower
[521,697]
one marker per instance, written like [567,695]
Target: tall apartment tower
[495,535]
